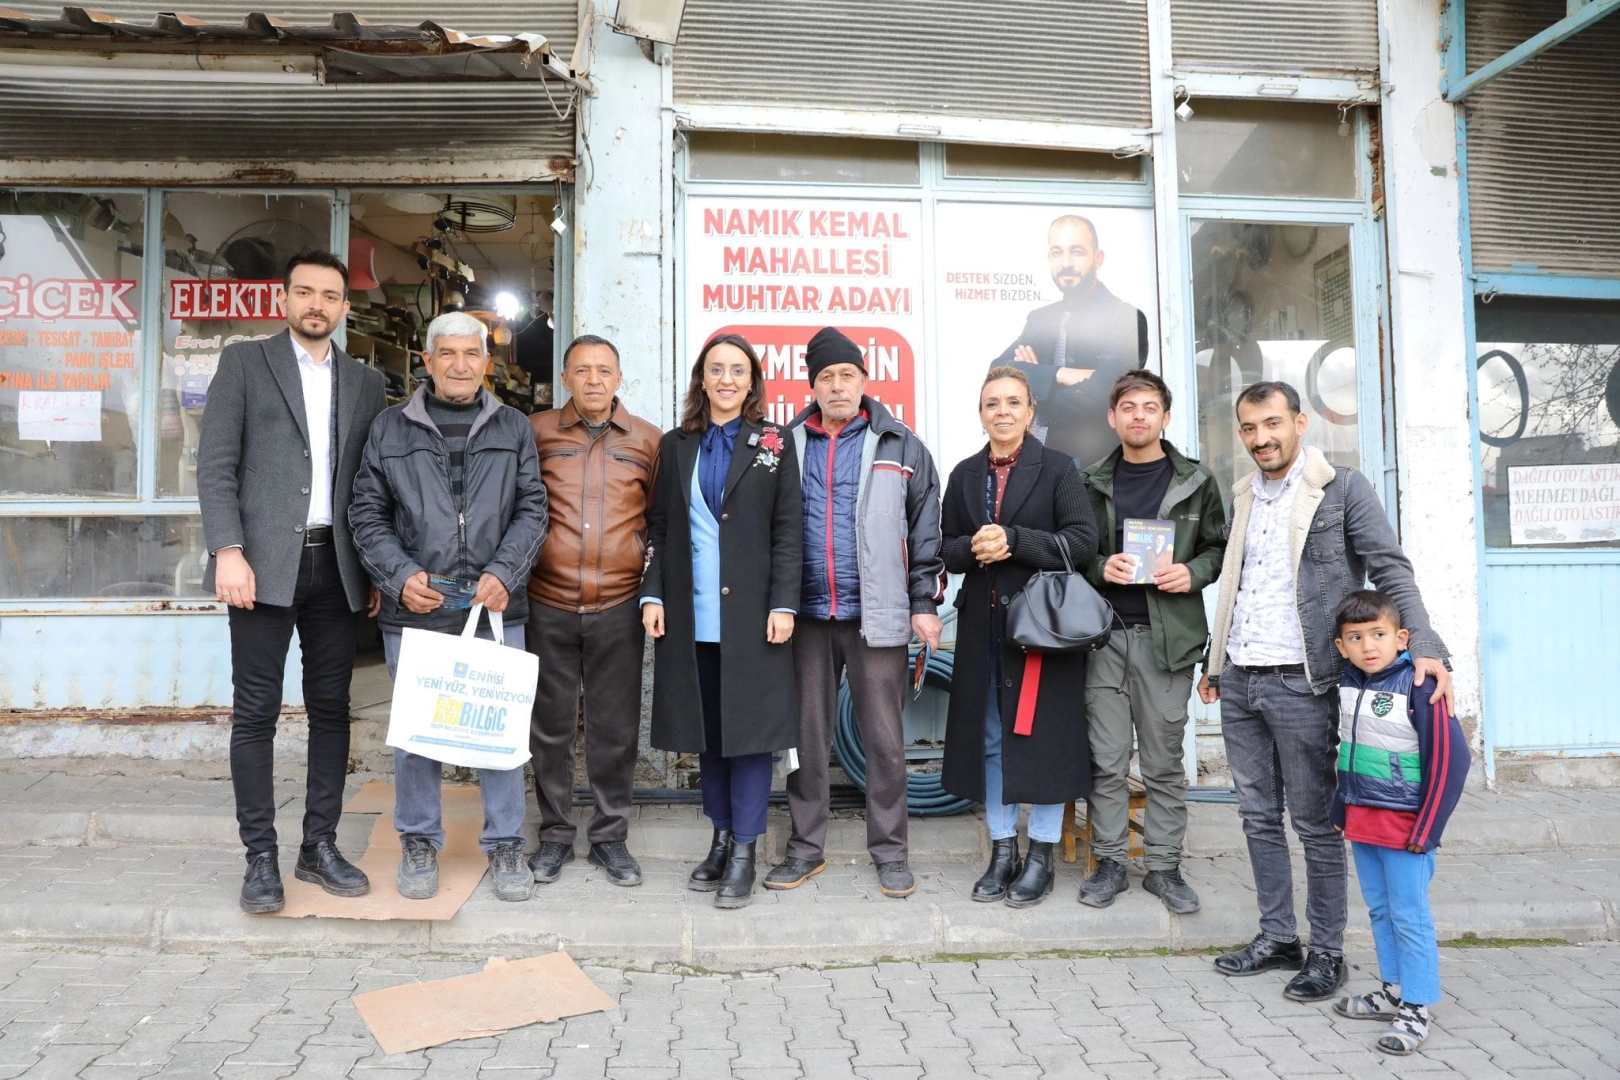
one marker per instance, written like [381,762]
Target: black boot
[706,876]
[1035,880]
[1003,868]
[737,884]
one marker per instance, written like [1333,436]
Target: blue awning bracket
[1581,14]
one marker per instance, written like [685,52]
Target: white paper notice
[1564,504]
[57,416]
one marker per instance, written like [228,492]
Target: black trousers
[601,650]
[259,641]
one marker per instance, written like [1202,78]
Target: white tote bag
[463,700]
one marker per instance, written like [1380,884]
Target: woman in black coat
[726,533]
[1016,730]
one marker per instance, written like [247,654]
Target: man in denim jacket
[1305,533]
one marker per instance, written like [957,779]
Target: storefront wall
[1543,325]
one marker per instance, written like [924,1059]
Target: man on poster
[1075,348]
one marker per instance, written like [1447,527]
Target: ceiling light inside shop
[507,306]
[413,202]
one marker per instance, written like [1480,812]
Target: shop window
[70,344]
[966,161]
[223,259]
[800,159]
[1266,148]
[492,254]
[1274,303]
[1549,422]
[101,557]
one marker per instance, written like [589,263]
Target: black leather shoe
[1105,883]
[706,875]
[895,879]
[614,857]
[790,873]
[1319,979]
[547,863]
[1034,881]
[1170,887]
[1262,954]
[322,864]
[737,883]
[261,885]
[1004,866]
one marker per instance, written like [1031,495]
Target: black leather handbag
[1059,611]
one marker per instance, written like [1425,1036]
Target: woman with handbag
[725,536]
[1016,729]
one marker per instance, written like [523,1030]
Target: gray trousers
[600,651]
[1282,745]
[1127,694]
[822,651]
[417,803]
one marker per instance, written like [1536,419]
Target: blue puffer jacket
[831,470]
[1398,752]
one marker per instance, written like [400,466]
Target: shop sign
[1564,504]
[52,298]
[776,270]
[194,299]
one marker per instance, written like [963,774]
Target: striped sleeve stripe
[1441,745]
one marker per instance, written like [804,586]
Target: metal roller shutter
[1065,61]
[274,125]
[1544,144]
[1306,37]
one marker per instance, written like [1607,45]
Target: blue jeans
[1395,884]
[416,778]
[1282,747]
[1045,819]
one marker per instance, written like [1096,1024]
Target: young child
[1402,763]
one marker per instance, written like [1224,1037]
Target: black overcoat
[761,561]
[1044,496]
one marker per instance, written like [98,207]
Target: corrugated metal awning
[1057,61]
[1543,144]
[1304,37]
[131,91]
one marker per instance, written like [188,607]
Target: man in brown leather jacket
[599,464]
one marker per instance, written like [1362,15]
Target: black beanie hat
[831,347]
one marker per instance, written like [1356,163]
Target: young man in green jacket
[1143,678]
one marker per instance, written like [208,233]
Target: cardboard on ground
[461,864]
[503,996]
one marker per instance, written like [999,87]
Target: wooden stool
[1072,832]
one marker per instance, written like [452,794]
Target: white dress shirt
[316,376]
[1265,617]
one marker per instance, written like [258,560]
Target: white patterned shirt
[1265,617]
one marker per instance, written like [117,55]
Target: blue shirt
[705,557]
[715,462]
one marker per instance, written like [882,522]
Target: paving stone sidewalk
[1524,1012]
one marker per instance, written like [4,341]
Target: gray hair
[456,324]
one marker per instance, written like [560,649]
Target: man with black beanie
[873,576]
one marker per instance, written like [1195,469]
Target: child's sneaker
[1407,1033]
[1381,1004]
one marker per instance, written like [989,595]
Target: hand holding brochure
[1151,542]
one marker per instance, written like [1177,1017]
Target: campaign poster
[1048,287]
[776,270]
[1564,504]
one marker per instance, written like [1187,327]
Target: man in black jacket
[281,437]
[450,489]
[1073,350]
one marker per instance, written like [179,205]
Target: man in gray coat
[281,438]
[873,576]
[449,511]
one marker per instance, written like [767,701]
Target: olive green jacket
[1193,502]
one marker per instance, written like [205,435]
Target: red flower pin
[771,440]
